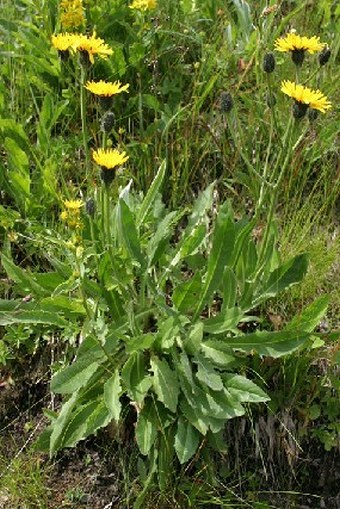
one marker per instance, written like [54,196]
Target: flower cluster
[143,5]
[304,97]
[72,14]
[89,46]
[71,214]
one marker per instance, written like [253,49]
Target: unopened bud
[324,56]
[226,102]
[269,63]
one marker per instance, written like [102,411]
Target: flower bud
[226,102]
[268,63]
[299,110]
[107,122]
[90,207]
[324,56]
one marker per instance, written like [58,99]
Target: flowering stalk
[83,116]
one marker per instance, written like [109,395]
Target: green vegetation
[169,249]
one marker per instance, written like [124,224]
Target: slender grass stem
[83,117]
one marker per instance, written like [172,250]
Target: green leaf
[158,241]
[145,432]
[310,316]
[207,375]
[185,294]
[112,391]
[59,424]
[189,244]
[151,195]
[243,389]
[229,284]
[85,420]
[283,277]
[193,341]
[219,352]
[275,344]
[23,278]
[74,376]
[128,232]
[165,383]
[34,317]
[224,321]
[186,440]
[202,204]
[135,378]
[219,257]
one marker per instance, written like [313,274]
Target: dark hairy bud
[299,110]
[226,102]
[324,56]
[90,207]
[269,63]
[107,122]
[298,56]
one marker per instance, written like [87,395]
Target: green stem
[83,116]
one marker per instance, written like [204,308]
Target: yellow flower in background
[106,89]
[305,96]
[71,215]
[143,5]
[73,205]
[64,41]
[109,158]
[72,14]
[93,45]
[297,46]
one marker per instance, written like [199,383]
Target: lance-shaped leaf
[219,257]
[74,376]
[243,389]
[151,195]
[165,383]
[310,316]
[283,277]
[34,317]
[112,391]
[185,294]
[186,440]
[128,231]
[225,321]
[146,433]
[275,344]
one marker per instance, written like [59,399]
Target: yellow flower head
[305,96]
[298,45]
[93,45]
[64,42]
[72,14]
[73,205]
[105,89]
[109,158]
[143,5]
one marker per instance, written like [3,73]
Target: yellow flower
[298,45]
[105,89]
[295,42]
[109,158]
[143,5]
[305,96]
[93,45]
[72,13]
[64,42]
[73,205]
[64,215]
